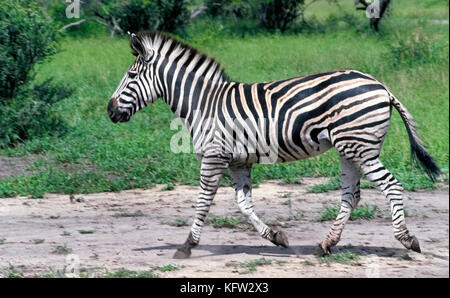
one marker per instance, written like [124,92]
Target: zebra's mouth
[119,117]
[115,114]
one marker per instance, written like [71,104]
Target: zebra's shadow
[292,251]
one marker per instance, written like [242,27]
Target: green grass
[125,213]
[298,215]
[168,268]
[62,250]
[86,231]
[169,186]
[288,203]
[178,222]
[364,212]
[126,273]
[222,221]
[334,183]
[12,272]
[97,155]
[93,272]
[250,266]
[347,258]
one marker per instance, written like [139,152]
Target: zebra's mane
[174,49]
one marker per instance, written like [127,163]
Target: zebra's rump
[302,117]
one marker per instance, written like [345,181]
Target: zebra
[277,121]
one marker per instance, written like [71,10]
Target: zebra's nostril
[112,111]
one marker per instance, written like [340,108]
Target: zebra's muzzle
[115,114]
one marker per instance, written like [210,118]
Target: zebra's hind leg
[392,189]
[243,187]
[350,177]
[212,169]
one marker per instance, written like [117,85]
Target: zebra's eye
[132,74]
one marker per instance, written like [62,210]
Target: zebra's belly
[282,150]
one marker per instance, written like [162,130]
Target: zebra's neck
[187,91]
[185,76]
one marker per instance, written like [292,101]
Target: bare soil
[129,229]
[12,166]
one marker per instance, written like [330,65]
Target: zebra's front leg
[350,177]
[211,171]
[243,187]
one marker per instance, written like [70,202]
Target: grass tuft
[222,221]
[364,212]
[178,222]
[125,213]
[250,266]
[347,258]
[125,273]
[62,250]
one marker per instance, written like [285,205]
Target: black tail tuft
[418,152]
[422,158]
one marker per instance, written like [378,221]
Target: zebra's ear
[138,48]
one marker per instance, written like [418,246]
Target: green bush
[137,15]
[279,14]
[173,15]
[415,49]
[249,15]
[30,114]
[26,38]
[237,9]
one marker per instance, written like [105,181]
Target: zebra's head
[138,86]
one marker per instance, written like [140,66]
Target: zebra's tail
[418,151]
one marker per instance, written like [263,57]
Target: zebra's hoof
[280,239]
[324,250]
[182,253]
[415,246]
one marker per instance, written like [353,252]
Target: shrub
[415,49]
[30,114]
[279,14]
[173,15]
[137,15]
[233,8]
[26,38]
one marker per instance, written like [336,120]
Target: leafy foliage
[30,113]
[279,14]
[26,38]
[137,15]
[232,8]
[416,48]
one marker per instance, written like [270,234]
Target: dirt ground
[130,229]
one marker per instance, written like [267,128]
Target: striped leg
[392,189]
[211,171]
[350,177]
[243,186]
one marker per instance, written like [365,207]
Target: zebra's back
[302,117]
